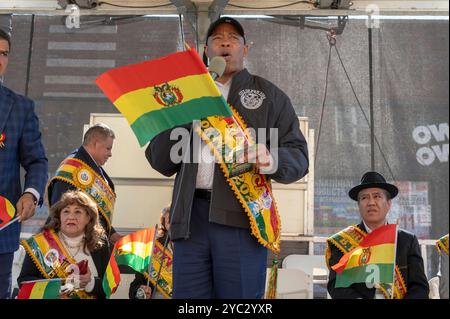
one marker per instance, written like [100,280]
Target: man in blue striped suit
[20,146]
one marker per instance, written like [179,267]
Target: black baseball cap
[218,22]
[229,20]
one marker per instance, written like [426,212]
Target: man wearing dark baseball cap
[374,196]
[216,254]
[215,24]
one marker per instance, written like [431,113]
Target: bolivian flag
[7,211]
[159,94]
[133,250]
[375,256]
[42,289]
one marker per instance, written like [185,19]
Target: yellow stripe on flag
[379,254]
[136,103]
[110,277]
[140,249]
[10,209]
[38,290]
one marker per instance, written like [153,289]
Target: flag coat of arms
[159,94]
[374,257]
[133,250]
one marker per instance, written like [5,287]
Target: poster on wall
[334,210]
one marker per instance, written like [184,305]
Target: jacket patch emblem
[251,99]
[167,95]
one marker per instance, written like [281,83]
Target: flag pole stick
[395,260]
[151,253]
[9,223]
[41,280]
[186,46]
[166,242]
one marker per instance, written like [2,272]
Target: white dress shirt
[205,173]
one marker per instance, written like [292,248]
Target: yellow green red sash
[77,173]
[252,189]
[165,283]
[442,244]
[348,239]
[51,258]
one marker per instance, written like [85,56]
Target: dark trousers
[217,261]
[6,263]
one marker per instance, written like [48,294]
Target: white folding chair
[292,284]
[313,265]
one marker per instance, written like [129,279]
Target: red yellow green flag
[7,211]
[42,289]
[159,94]
[133,250]
[375,256]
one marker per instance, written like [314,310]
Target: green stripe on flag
[136,262]
[372,273]
[152,123]
[52,290]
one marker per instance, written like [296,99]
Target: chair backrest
[292,284]
[314,266]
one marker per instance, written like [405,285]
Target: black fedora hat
[373,180]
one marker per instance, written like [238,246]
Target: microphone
[217,67]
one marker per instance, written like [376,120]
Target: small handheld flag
[133,250]
[7,212]
[40,289]
[376,252]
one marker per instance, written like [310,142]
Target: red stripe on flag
[25,291]
[383,235]
[119,81]
[3,213]
[144,236]
[340,266]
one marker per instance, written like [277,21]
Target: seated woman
[72,245]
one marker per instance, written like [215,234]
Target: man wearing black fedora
[374,196]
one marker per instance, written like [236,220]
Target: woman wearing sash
[72,245]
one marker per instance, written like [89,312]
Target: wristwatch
[35,201]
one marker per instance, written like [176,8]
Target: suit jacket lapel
[362,227]
[5,107]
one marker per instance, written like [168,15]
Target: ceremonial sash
[442,244]
[51,258]
[252,189]
[165,276]
[77,173]
[348,239]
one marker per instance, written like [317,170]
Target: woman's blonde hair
[94,232]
